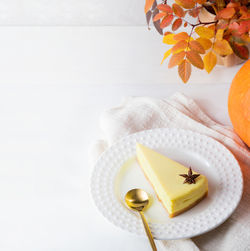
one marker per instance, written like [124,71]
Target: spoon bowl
[138,200]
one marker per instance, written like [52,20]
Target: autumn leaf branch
[227,34]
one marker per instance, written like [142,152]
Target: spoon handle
[148,232]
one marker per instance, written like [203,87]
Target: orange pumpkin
[239,103]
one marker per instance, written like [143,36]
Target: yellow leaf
[187,4]
[219,34]
[206,43]
[180,46]
[169,39]
[222,47]
[204,32]
[246,37]
[166,55]
[184,70]
[210,61]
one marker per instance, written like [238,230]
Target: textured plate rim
[160,231]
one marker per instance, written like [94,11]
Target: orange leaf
[187,4]
[206,43]
[201,1]
[167,32]
[168,39]
[184,70]
[165,8]
[196,46]
[148,5]
[233,5]
[159,16]
[245,38]
[210,61]
[245,14]
[176,59]
[178,11]
[222,47]
[195,59]
[166,21]
[176,24]
[166,55]
[226,13]
[181,36]
[180,46]
[204,32]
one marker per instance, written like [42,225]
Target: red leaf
[240,50]
[244,27]
[165,8]
[177,23]
[166,21]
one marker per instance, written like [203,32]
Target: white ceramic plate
[117,171]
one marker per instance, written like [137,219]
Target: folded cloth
[141,113]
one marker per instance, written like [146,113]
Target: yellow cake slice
[164,175]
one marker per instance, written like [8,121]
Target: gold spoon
[137,199]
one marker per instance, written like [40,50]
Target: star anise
[190,177]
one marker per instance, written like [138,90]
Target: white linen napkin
[141,113]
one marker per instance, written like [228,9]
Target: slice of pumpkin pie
[177,187]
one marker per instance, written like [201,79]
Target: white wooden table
[54,84]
